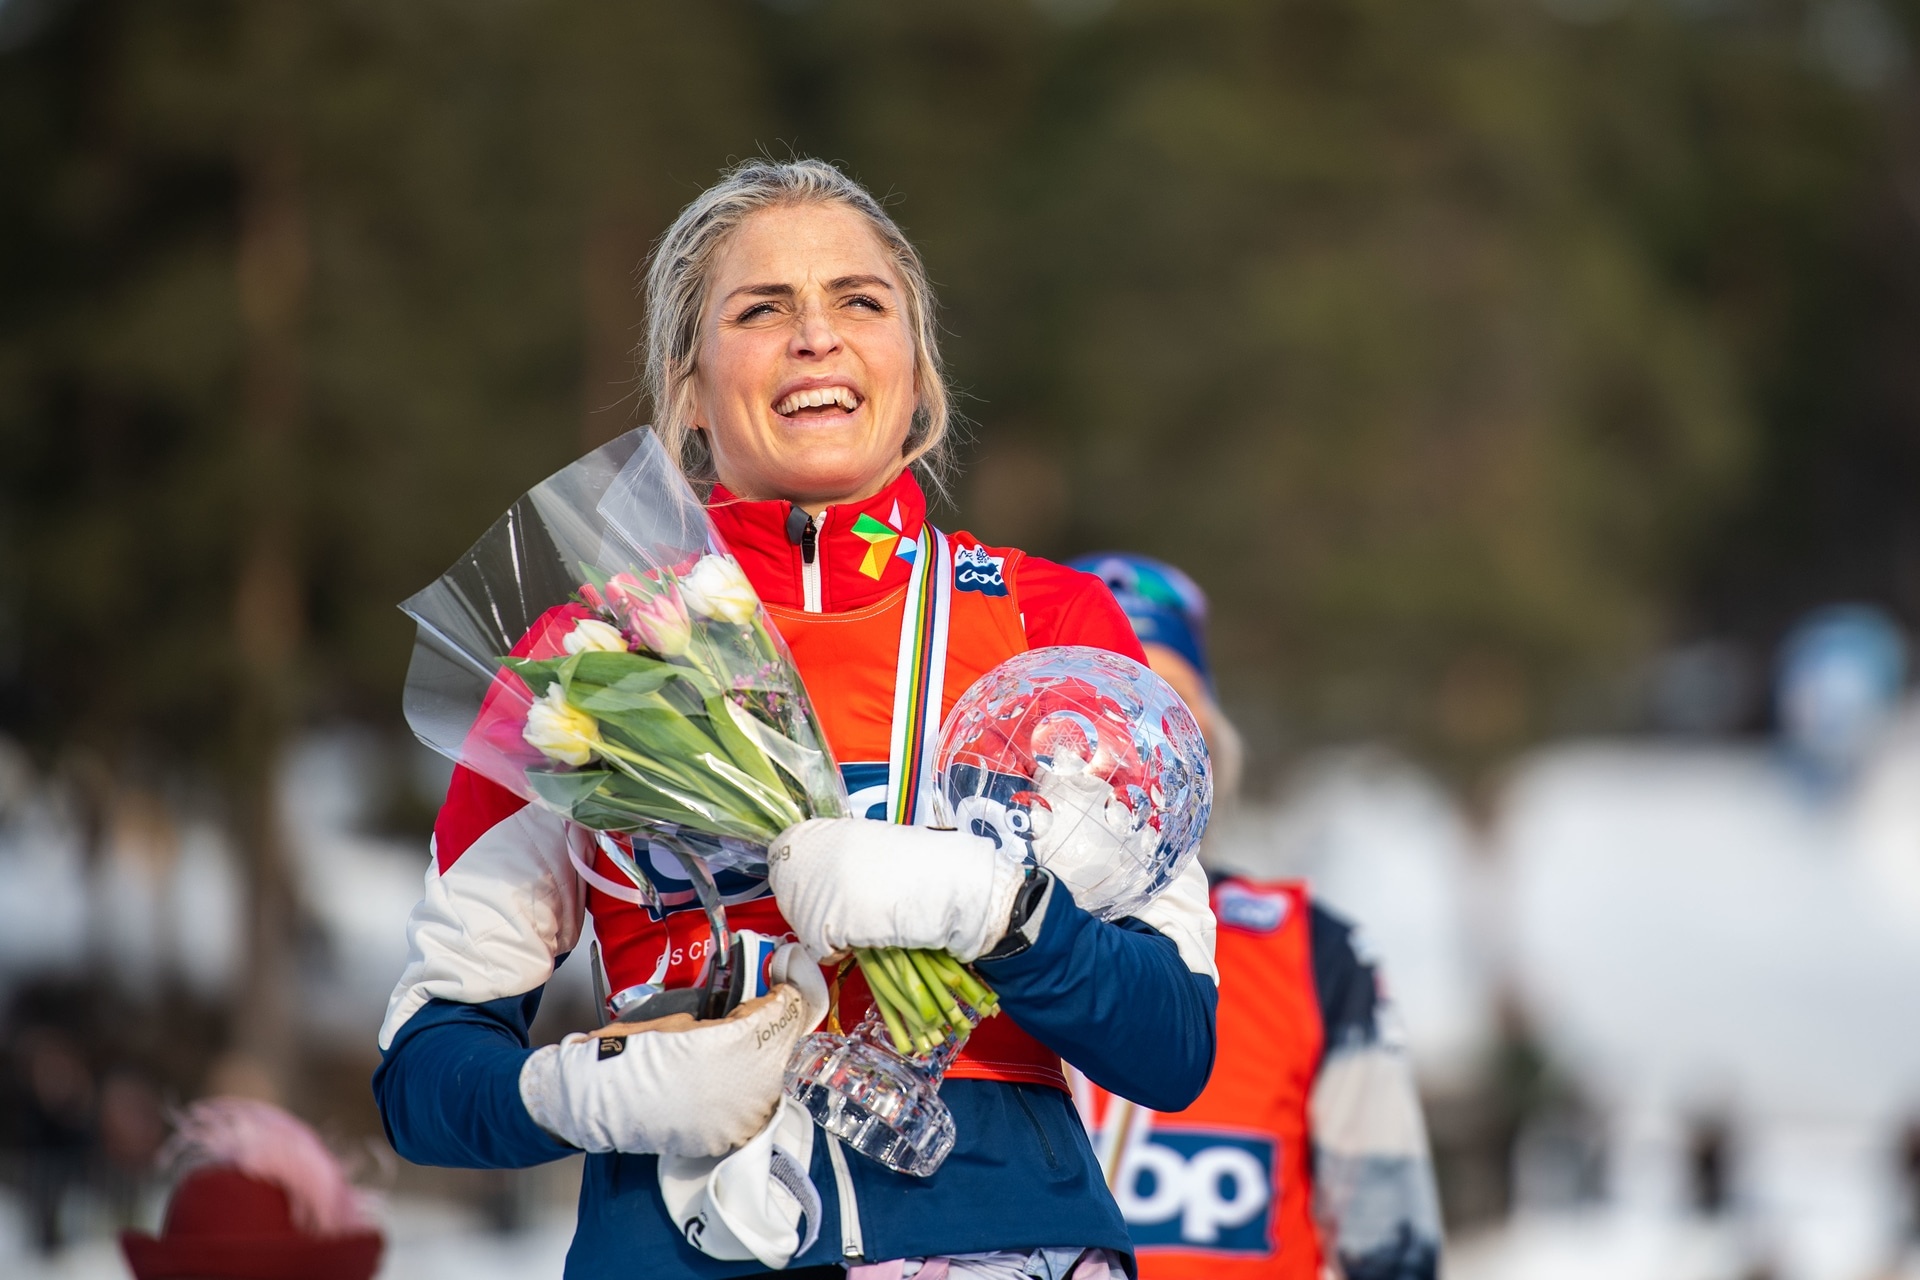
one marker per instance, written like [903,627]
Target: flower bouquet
[1071,758]
[599,653]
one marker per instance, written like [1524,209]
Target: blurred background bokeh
[1534,385]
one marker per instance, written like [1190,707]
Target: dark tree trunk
[268,616]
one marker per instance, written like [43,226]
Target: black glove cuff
[1029,911]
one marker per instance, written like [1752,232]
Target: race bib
[1192,1189]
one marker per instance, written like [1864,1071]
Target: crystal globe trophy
[1070,758]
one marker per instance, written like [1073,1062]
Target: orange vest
[847,660]
[1224,1189]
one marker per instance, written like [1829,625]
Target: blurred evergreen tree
[1462,351]
[1443,345]
[292,308]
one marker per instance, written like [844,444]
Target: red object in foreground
[223,1225]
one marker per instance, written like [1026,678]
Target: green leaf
[745,752]
[672,748]
[604,670]
[639,797]
[563,792]
[539,673]
[593,575]
[611,800]
[628,693]
[626,805]
[773,802]
[598,667]
[660,732]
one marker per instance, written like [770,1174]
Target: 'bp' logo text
[1185,1188]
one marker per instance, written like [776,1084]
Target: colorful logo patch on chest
[883,541]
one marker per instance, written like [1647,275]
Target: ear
[689,404]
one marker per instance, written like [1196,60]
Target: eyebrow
[833,286]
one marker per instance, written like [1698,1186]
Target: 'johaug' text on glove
[680,1087]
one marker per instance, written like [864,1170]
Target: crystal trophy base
[881,1104]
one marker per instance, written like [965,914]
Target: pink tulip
[659,619]
[623,589]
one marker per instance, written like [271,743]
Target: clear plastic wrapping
[600,653]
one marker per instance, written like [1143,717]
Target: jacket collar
[858,545]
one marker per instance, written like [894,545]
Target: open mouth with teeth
[818,402]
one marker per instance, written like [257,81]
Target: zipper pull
[803,533]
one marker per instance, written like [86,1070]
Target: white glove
[1086,837]
[757,1202]
[677,1086]
[844,883]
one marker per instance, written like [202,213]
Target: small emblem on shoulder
[611,1047]
[1249,909]
[975,570]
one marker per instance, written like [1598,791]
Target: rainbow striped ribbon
[918,681]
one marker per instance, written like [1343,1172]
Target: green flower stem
[903,1040]
[764,643]
[907,980]
[924,997]
[936,983]
[888,1001]
[752,827]
[774,804]
[960,979]
[920,1033]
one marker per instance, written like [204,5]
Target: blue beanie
[1165,605]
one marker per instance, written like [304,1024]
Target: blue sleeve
[1346,987]
[448,1087]
[1116,1001]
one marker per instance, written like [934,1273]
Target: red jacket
[1131,1001]
[1005,602]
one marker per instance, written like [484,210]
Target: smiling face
[804,373]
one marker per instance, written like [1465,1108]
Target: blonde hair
[676,288]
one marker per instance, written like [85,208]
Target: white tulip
[717,588]
[559,731]
[590,635]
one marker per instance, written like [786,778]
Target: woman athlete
[792,361]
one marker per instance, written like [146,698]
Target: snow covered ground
[1600,1245]
[426,1240]
[1383,845]
[1703,938]
[170,900]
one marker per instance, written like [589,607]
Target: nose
[813,332]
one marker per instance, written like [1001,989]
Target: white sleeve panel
[492,923]
[1184,912]
[1373,1181]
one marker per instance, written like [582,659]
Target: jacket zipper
[810,567]
[851,1245]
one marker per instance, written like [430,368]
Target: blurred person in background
[793,364]
[1839,679]
[81,1116]
[1307,1152]
[258,1197]
[55,1111]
